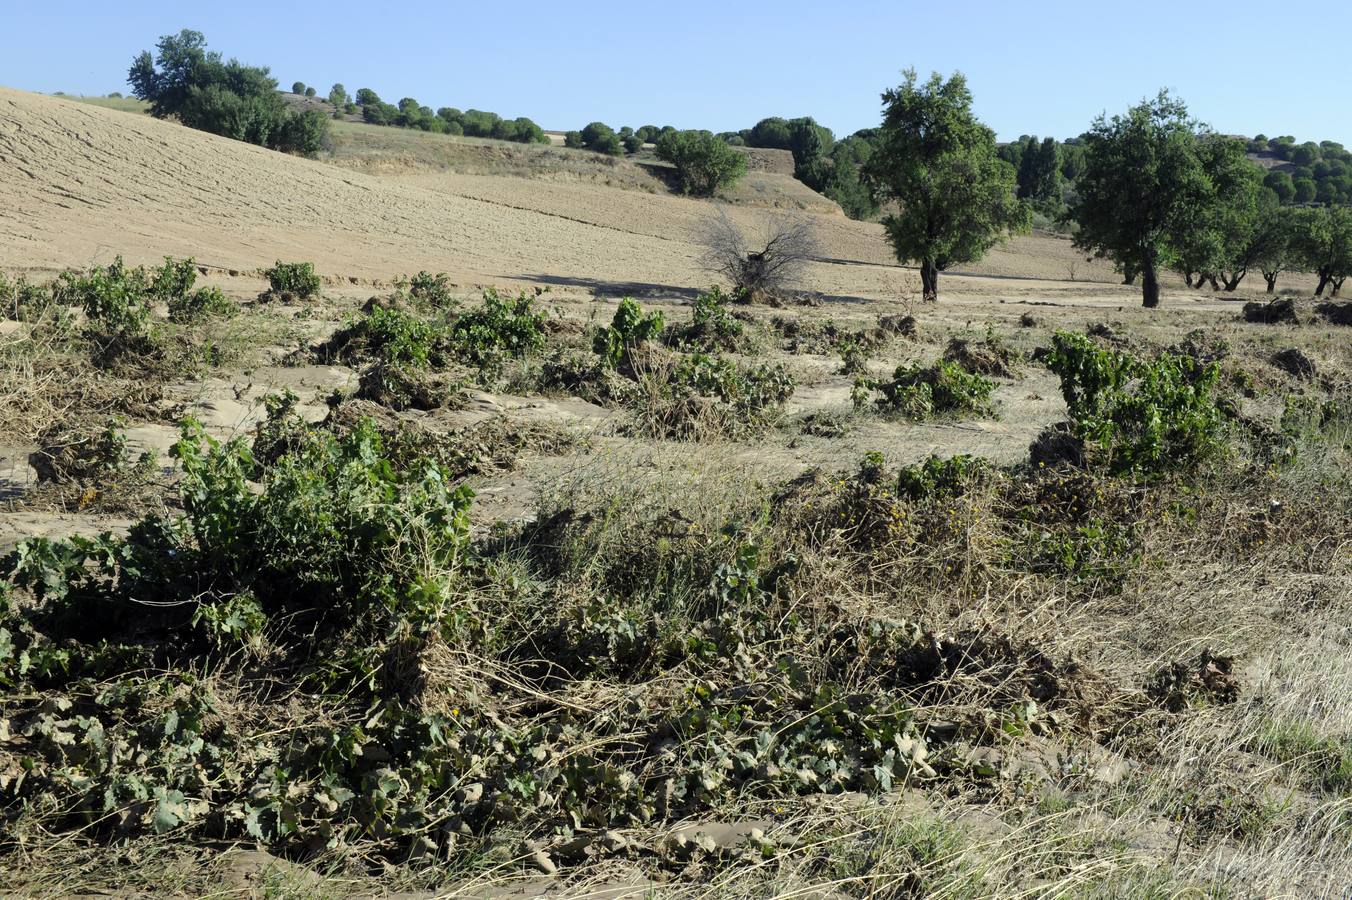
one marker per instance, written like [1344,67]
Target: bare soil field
[445,591]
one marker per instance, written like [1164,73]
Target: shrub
[399,337]
[941,477]
[752,391]
[712,328]
[1146,417]
[499,327]
[704,164]
[630,328]
[990,356]
[573,139]
[292,280]
[429,290]
[703,396]
[761,263]
[116,300]
[173,279]
[23,301]
[203,303]
[331,530]
[918,392]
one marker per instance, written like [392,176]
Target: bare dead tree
[760,263]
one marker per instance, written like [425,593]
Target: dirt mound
[777,162]
[1273,312]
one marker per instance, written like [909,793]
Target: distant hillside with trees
[1304,173]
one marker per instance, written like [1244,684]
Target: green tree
[310,91]
[1143,187]
[1219,246]
[703,163]
[772,133]
[338,97]
[1072,160]
[1280,183]
[186,81]
[1275,244]
[601,138]
[298,87]
[809,141]
[938,163]
[367,96]
[1305,154]
[1322,241]
[573,139]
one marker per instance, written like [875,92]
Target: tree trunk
[1187,278]
[1337,285]
[1323,283]
[1128,273]
[1211,280]
[929,280]
[1271,279]
[1150,284]
[1232,281]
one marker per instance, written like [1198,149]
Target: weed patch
[917,392]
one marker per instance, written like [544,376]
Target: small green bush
[940,477]
[203,303]
[292,280]
[173,280]
[703,396]
[116,299]
[752,390]
[499,327]
[1144,417]
[712,327]
[429,290]
[23,301]
[916,392]
[630,328]
[399,337]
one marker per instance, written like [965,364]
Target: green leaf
[170,810]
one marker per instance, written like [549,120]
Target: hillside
[82,183]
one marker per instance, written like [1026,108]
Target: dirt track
[80,184]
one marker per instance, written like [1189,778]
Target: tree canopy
[704,163]
[1143,187]
[1322,241]
[186,81]
[938,163]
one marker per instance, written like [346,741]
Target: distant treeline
[409,113]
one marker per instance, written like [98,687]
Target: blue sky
[1034,67]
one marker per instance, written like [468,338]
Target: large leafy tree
[1223,241]
[185,80]
[1143,188]
[934,160]
[1276,251]
[1322,240]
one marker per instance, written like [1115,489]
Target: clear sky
[1034,67]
